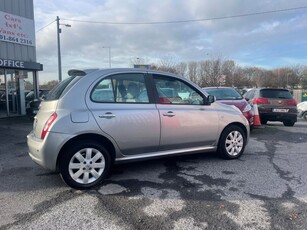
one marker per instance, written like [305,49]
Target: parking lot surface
[265,189]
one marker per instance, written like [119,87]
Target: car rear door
[185,121]
[129,118]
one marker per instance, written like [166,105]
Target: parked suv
[273,105]
[96,118]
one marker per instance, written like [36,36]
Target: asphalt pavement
[265,189]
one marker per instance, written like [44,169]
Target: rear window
[61,88]
[275,93]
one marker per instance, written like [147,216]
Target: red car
[230,96]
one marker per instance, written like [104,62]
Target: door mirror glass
[210,99]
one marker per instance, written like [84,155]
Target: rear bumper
[266,113]
[278,116]
[45,152]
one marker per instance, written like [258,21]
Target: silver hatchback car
[96,118]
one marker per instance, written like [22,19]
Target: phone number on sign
[15,40]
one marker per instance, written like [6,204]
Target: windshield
[224,93]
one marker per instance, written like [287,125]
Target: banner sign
[16,29]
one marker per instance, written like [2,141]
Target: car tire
[264,121]
[85,164]
[289,123]
[305,115]
[232,142]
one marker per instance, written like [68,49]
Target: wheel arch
[243,127]
[105,142]
[221,144]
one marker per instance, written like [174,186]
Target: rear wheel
[305,115]
[289,123]
[85,164]
[232,142]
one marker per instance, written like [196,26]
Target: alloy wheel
[234,143]
[86,165]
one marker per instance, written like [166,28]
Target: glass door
[3,109]
[12,99]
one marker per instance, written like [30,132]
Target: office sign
[16,29]
[16,64]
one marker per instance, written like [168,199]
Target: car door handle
[108,115]
[169,114]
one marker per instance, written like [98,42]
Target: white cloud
[277,38]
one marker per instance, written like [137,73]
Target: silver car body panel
[46,110]
[137,131]
[166,153]
[45,152]
[135,127]
[187,126]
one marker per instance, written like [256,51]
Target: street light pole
[59,46]
[108,47]
[110,57]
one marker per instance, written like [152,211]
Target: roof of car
[83,72]
[214,87]
[275,89]
[218,87]
[260,88]
[110,70]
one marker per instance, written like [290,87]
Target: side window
[103,91]
[250,94]
[247,95]
[121,88]
[174,91]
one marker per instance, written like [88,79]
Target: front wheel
[85,164]
[305,115]
[232,142]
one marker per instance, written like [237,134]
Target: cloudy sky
[193,30]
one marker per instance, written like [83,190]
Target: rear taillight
[48,124]
[261,100]
[292,102]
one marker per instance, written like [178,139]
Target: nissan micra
[98,117]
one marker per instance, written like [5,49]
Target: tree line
[217,71]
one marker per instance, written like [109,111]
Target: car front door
[186,121]
[121,106]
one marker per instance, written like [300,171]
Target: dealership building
[18,66]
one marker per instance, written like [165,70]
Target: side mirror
[247,99]
[210,99]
